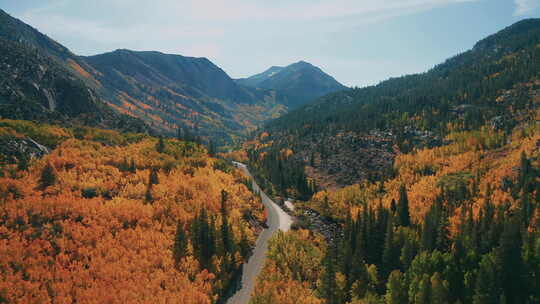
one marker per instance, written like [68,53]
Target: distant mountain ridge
[165,91]
[155,68]
[302,82]
[168,90]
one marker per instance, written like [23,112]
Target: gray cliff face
[14,149]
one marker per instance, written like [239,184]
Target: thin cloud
[238,35]
[122,13]
[192,24]
[523,7]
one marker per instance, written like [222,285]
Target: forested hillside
[422,189]
[456,224]
[97,216]
[445,210]
[353,135]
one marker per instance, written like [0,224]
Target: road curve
[277,219]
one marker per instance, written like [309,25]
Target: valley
[277,220]
[137,176]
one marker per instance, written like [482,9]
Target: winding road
[277,219]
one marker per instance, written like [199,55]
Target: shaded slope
[158,69]
[301,82]
[33,86]
[39,81]
[163,90]
[171,90]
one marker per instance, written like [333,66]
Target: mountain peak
[301,63]
[516,35]
[300,81]
[13,29]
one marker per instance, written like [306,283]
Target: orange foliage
[78,68]
[422,172]
[90,238]
[238,155]
[293,263]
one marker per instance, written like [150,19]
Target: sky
[358,42]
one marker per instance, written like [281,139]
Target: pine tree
[124,165]
[329,288]
[48,176]
[408,252]
[204,238]
[487,288]
[509,253]
[393,206]
[439,290]
[360,278]
[347,245]
[148,196]
[226,233]
[442,242]
[381,227]
[424,291]
[373,279]
[428,234]
[23,163]
[180,243]
[243,245]
[486,224]
[326,205]
[153,179]
[212,238]
[160,146]
[524,170]
[527,208]
[132,166]
[389,256]
[396,289]
[403,207]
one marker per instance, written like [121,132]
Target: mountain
[13,29]
[158,69]
[165,91]
[35,84]
[301,82]
[354,135]
[452,216]
[256,80]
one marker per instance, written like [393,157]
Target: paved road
[277,219]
